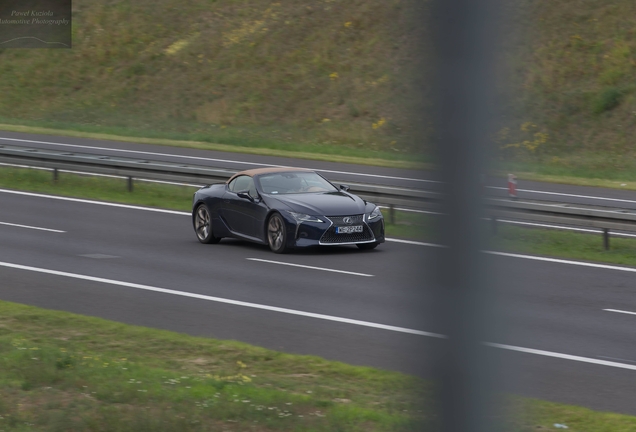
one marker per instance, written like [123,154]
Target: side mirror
[344,188]
[245,195]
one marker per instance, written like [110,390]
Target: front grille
[330,236]
[338,220]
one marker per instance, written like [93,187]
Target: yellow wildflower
[379,123]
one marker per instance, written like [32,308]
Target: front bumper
[306,234]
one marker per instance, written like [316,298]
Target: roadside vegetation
[572,97]
[315,76]
[63,372]
[331,77]
[60,372]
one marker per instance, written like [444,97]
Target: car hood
[326,204]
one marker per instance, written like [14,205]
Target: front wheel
[203,225]
[367,246]
[276,233]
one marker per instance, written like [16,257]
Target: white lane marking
[562,261]
[26,166]
[568,195]
[531,257]
[170,183]
[309,267]
[109,204]
[223,300]
[212,159]
[619,359]
[410,210]
[413,242]
[566,228]
[559,227]
[620,311]
[315,315]
[561,356]
[31,227]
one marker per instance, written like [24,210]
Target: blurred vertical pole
[465,41]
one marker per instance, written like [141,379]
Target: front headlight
[376,213]
[302,217]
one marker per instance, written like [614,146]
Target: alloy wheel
[202,223]
[276,233]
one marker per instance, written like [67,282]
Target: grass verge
[525,240]
[61,371]
[564,244]
[606,171]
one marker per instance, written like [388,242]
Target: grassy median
[61,372]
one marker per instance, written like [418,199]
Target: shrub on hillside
[607,100]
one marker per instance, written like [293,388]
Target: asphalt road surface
[145,267]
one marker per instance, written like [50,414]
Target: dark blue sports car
[285,208]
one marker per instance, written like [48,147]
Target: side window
[242,183]
[252,189]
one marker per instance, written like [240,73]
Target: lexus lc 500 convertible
[285,208]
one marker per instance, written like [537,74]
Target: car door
[239,213]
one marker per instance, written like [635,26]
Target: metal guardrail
[603,218]
[617,219]
[564,214]
[184,173]
[119,166]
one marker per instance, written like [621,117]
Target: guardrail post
[606,238]
[392,214]
[55,175]
[130,184]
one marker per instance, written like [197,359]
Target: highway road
[156,251]
[563,339]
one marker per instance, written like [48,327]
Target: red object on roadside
[512,186]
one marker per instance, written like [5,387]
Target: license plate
[348,229]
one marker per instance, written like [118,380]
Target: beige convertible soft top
[257,171]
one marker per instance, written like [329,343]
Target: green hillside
[329,76]
[295,71]
[574,75]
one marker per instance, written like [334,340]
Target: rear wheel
[367,246]
[203,225]
[276,234]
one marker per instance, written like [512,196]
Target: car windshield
[294,182]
